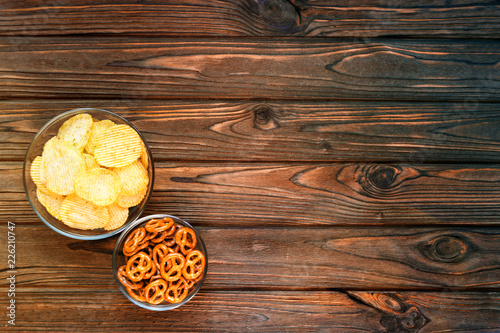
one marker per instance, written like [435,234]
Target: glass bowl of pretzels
[160,262]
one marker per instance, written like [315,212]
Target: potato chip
[35,171]
[76,130]
[127,201]
[144,158]
[97,128]
[90,162]
[117,146]
[79,213]
[52,202]
[134,178]
[50,142]
[117,217]
[35,174]
[61,163]
[99,186]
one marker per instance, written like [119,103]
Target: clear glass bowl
[119,260]
[35,149]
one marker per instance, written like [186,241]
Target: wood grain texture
[300,259]
[296,69]
[283,131]
[252,18]
[226,311]
[230,194]
[333,194]
[257,311]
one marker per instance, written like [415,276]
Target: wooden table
[340,159]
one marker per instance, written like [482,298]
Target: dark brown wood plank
[297,69]
[283,131]
[427,18]
[228,194]
[332,194]
[283,259]
[254,311]
[227,311]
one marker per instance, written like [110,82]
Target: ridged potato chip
[90,162]
[117,217]
[35,171]
[61,163]
[79,213]
[134,178]
[117,146]
[76,130]
[97,128]
[144,158]
[35,174]
[128,201]
[52,202]
[99,186]
[50,142]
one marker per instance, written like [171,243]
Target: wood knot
[383,178]
[397,315]
[449,249]
[263,118]
[262,115]
[389,303]
[410,321]
[281,14]
[379,181]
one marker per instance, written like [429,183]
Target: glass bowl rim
[25,165]
[117,250]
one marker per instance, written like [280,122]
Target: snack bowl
[119,260]
[35,149]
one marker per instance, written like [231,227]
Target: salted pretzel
[139,266]
[194,266]
[125,280]
[171,266]
[186,239]
[131,244]
[155,291]
[159,225]
[177,291]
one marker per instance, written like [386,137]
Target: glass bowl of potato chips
[88,173]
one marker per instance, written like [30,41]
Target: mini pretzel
[186,239]
[195,264]
[125,280]
[155,291]
[131,245]
[138,266]
[159,225]
[177,291]
[171,266]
